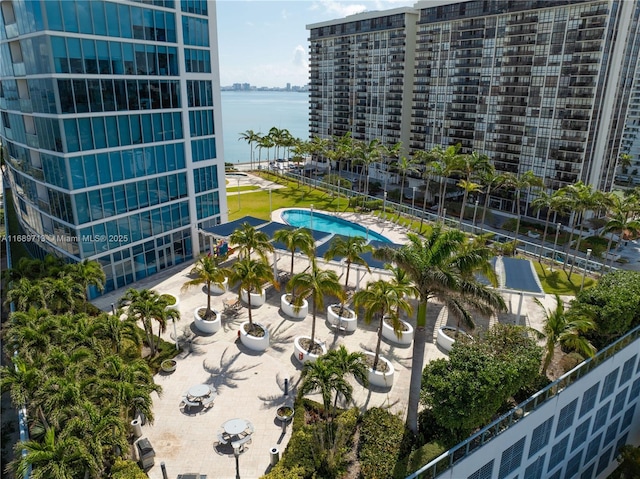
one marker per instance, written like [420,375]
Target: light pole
[475,213]
[270,205]
[584,270]
[413,200]
[311,219]
[384,205]
[238,193]
[555,243]
[236,453]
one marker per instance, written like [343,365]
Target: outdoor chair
[189,404]
[208,401]
[239,444]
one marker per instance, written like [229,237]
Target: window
[540,436]
[511,458]
[619,402]
[535,469]
[627,370]
[573,466]
[565,420]
[601,417]
[604,460]
[609,384]
[558,452]
[580,434]
[594,447]
[484,472]
[612,430]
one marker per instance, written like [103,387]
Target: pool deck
[250,385]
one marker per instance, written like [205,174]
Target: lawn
[291,196]
[558,282]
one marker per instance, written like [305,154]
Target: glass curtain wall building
[535,85]
[110,114]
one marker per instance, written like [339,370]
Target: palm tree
[348,363]
[250,137]
[404,166]
[146,306]
[62,293]
[87,273]
[468,187]
[447,162]
[382,299]
[549,202]
[278,136]
[119,334]
[471,167]
[55,458]
[366,154]
[206,271]
[252,274]
[299,238]
[25,294]
[423,157]
[324,377]
[317,283]
[389,152]
[619,221]
[525,181]
[264,142]
[491,180]
[559,328]
[249,240]
[440,265]
[351,249]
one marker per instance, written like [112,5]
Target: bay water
[259,111]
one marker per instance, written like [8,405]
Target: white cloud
[300,57]
[340,9]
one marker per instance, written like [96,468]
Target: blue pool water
[329,224]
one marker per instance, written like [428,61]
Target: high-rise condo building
[535,85]
[110,115]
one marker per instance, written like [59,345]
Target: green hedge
[382,444]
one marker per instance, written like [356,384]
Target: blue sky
[264,42]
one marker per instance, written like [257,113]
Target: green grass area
[291,196]
[557,281]
[235,189]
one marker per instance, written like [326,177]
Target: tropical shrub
[467,390]
[383,441]
[126,469]
[613,304]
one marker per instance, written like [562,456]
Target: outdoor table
[199,391]
[234,427]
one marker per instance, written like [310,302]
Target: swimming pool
[329,224]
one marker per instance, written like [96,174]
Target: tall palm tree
[619,221]
[324,377]
[147,306]
[367,153]
[471,167]
[264,142]
[424,158]
[405,165]
[249,240]
[549,202]
[119,334]
[278,136]
[525,181]
[389,152]
[559,328]
[293,239]
[382,299]
[252,274]
[490,180]
[206,271]
[446,162]
[467,187]
[317,283]
[62,293]
[351,249]
[87,273]
[251,137]
[440,265]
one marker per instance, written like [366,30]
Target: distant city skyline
[265,42]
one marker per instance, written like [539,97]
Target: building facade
[535,85]
[110,115]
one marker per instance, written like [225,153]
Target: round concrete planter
[219,288]
[381,379]
[446,337]
[168,365]
[253,342]
[176,301]
[348,323]
[302,355]
[205,325]
[285,412]
[256,299]
[289,309]
[389,334]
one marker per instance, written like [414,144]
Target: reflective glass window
[54,16]
[136,133]
[86,135]
[82,208]
[104,169]
[91,170]
[77,172]
[104,65]
[121,200]
[99,135]
[71,134]
[147,128]
[66,96]
[115,55]
[123,129]
[80,96]
[97,12]
[59,50]
[84,14]
[116,166]
[111,11]
[69,16]
[125,20]
[108,95]
[108,202]
[75,55]
[112,131]
[95,95]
